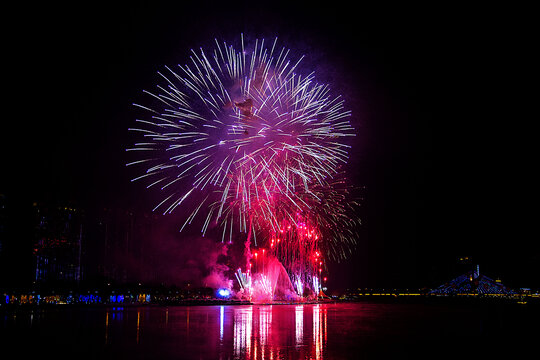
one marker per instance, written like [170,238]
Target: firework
[244,279]
[241,124]
[259,146]
[305,238]
[299,287]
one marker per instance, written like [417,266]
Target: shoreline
[426,300]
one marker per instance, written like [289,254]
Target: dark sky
[442,101]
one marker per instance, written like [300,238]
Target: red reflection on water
[319,330]
[325,331]
[243,319]
[299,321]
[239,332]
[265,332]
[265,322]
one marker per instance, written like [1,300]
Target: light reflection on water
[259,335]
[243,319]
[303,331]
[299,320]
[245,332]
[221,317]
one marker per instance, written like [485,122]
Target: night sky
[442,102]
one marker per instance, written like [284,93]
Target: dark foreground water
[323,331]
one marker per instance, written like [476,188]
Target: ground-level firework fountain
[267,280]
[248,138]
[288,266]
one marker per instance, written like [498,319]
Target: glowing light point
[224,293]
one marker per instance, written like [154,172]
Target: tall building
[3,219]
[120,240]
[59,233]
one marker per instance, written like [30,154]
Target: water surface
[310,331]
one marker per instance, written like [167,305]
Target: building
[3,220]
[472,282]
[121,240]
[57,248]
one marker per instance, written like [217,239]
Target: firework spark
[257,143]
[243,123]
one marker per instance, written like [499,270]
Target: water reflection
[210,332]
[265,322]
[138,325]
[299,320]
[243,319]
[325,331]
[319,330]
[107,327]
[221,317]
[266,332]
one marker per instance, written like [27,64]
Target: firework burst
[257,143]
[242,123]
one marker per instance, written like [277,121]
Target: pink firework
[255,143]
